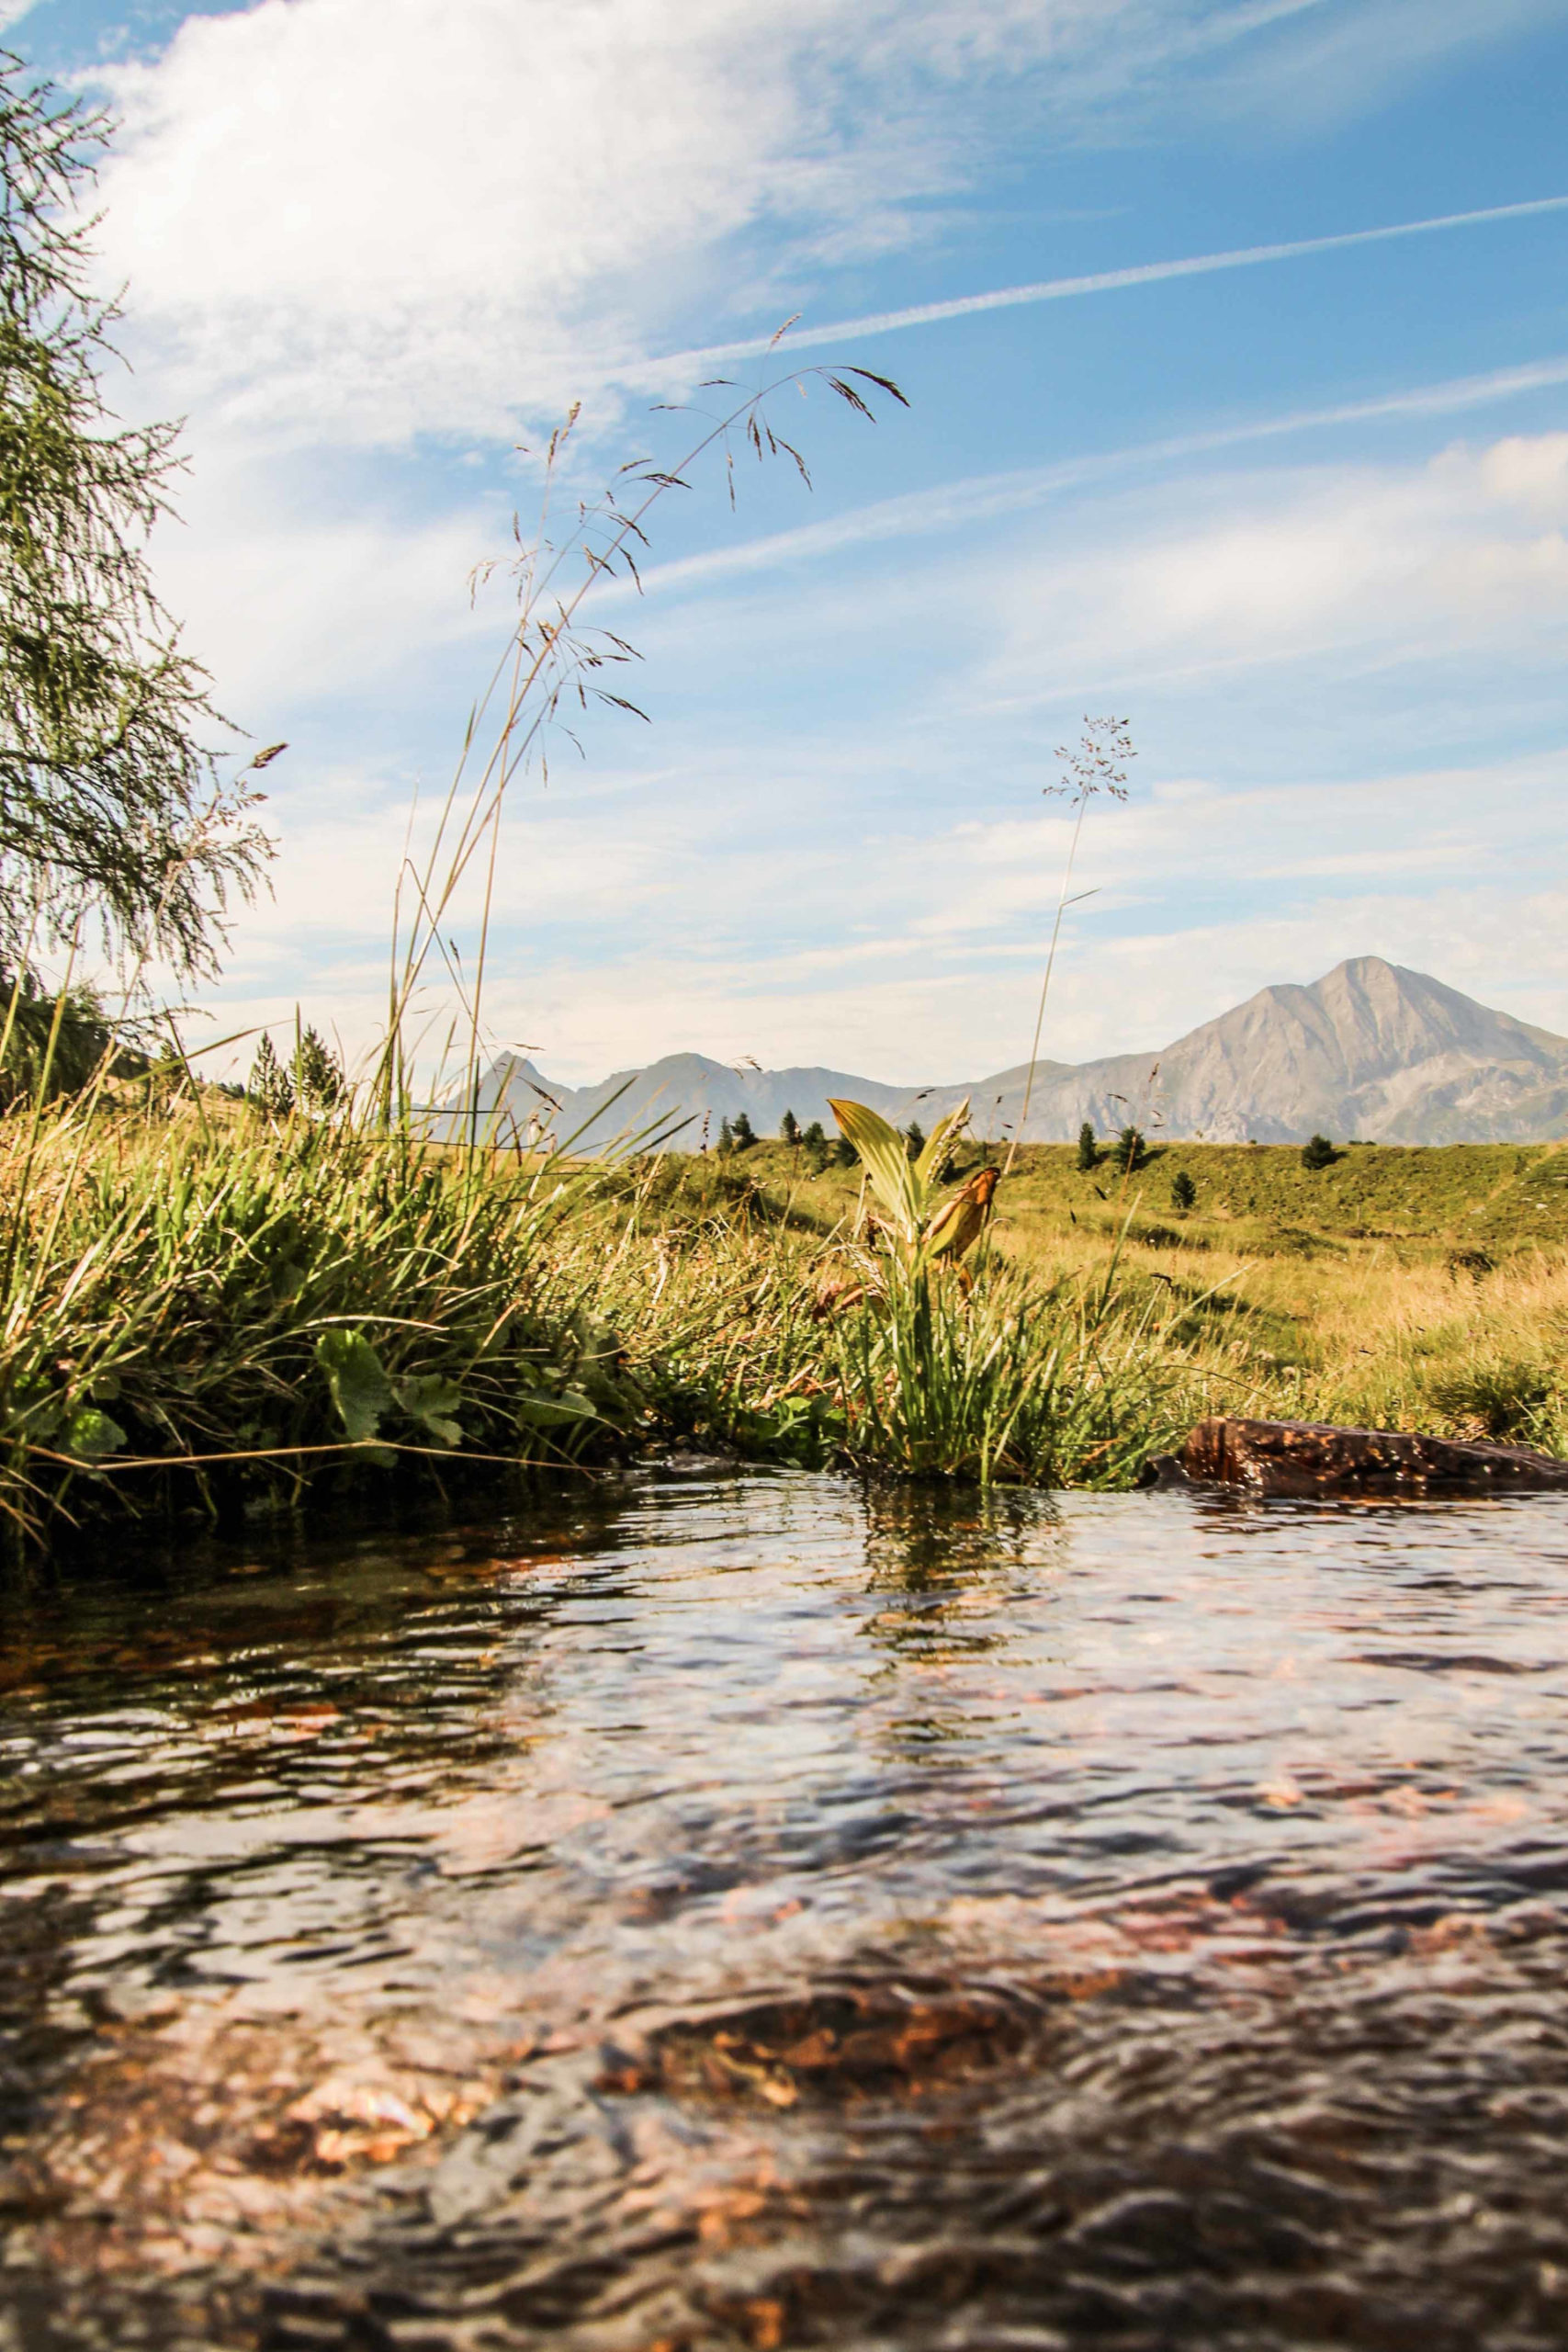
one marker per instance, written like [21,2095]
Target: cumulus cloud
[370,218]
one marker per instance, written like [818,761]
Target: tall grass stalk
[1097,765]
[552,662]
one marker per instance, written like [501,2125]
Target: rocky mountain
[1371,1050]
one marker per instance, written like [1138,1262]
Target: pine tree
[1183,1191]
[1129,1151]
[109,803]
[743,1132]
[1318,1152]
[844,1153]
[914,1139]
[271,1090]
[318,1076]
[1089,1150]
[789,1129]
[726,1143]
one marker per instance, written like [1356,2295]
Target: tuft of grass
[221,1316]
[1017,1380]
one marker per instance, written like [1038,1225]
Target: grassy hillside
[1419,1204]
[1402,1288]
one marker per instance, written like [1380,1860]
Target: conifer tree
[789,1128]
[743,1132]
[1183,1191]
[271,1088]
[1089,1150]
[914,1139]
[109,803]
[318,1076]
[726,1143]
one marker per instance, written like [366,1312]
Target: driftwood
[1308,1458]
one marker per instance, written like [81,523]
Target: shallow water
[735,1911]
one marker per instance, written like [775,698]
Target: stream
[733,1909]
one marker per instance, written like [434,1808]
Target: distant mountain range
[1370,1050]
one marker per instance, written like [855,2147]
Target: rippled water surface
[737,1911]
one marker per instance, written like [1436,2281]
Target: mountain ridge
[1372,1049]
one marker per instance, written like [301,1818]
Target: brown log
[1310,1458]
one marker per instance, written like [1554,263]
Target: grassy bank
[208,1312]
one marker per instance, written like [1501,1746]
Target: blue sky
[1301,522]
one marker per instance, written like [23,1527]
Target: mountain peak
[1371,1049]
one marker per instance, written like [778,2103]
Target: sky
[1190,441]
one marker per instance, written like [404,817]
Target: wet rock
[1313,1458]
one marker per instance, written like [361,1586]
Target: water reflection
[746,1910]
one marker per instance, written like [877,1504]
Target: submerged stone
[1309,1458]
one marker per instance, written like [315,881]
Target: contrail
[979,497]
[1105,281]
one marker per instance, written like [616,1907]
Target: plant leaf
[433,1402]
[361,1390]
[886,1163]
[93,1435]
[943,1135]
[550,1412]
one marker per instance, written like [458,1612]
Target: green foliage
[1183,1192]
[914,1139]
[814,1142]
[360,1388]
[1499,1396]
[843,1152]
[726,1143]
[1129,1151]
[318,1083]
[54,1046]
[364,1395]
[1318,1152]
[1088,1149]
[1048,1383]
[742,1131]
[789,1128]
[271,1088]
[260,1302]
[904,1183]
[108,803]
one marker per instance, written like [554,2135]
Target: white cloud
[294,593]
[370,218]
[354,222]
[363,217]
[1461,553]
[1344,56]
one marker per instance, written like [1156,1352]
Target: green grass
[1257,1197]
[217,1318]
[206,1313]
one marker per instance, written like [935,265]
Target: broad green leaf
[361,1390]
[433,1403]
[886,1163]
[553,1412]
[91,1435]
[35,1413]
